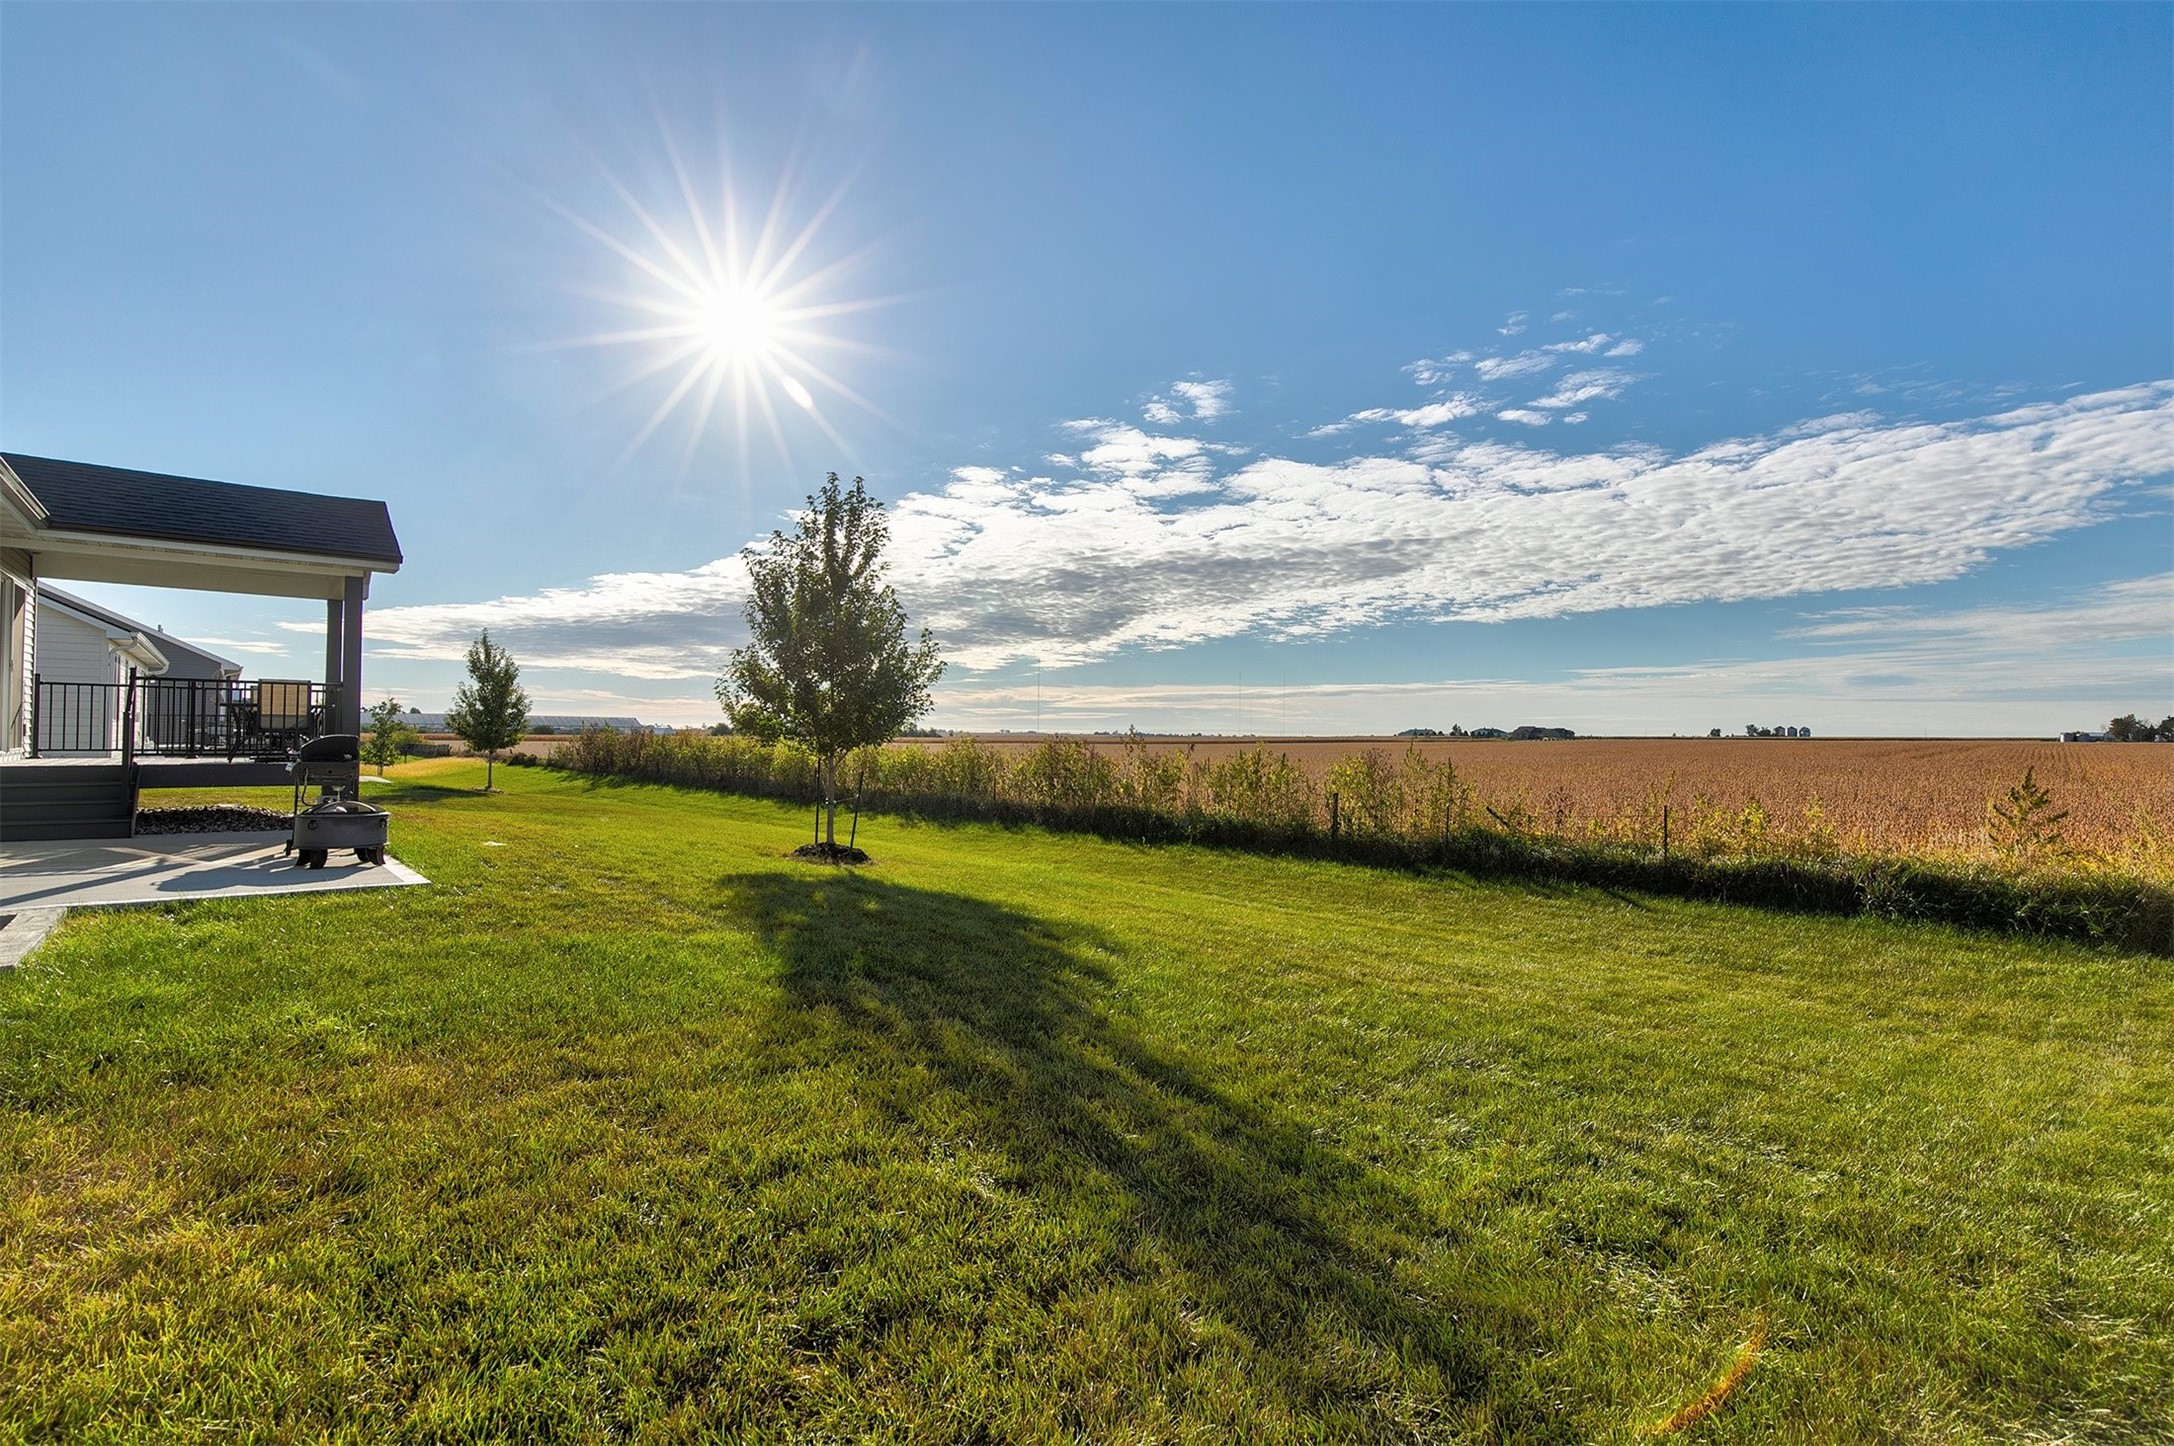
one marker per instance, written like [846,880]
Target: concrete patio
[38,881]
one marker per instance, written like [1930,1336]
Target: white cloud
[634,624]
[1604,384]
[1435,414]
[1524,417]
[1514,326]
[1153,547]
[1434,371]
[1198,401]
[1209,399]
[1145,464]
[1539,359]
[650,708]
[1496,368]
[248,645]
[1835,423]
[2126,610]
[1899,672]
[1432,414]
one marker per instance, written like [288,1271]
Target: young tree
[390,735]
[490,711]
[828,664]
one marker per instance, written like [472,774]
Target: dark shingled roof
[81,497]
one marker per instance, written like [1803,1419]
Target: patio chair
[274,720]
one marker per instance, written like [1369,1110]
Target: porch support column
[335,623]
[351,656]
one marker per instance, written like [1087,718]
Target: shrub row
[1373,809]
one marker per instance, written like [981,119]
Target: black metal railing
[231,718]
[77,717]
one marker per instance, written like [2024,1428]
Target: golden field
[1889,796]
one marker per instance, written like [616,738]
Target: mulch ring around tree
[826,853]
[214,818]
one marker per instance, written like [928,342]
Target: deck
[95,795]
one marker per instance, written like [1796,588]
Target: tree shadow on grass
[966,1018]
[401,790]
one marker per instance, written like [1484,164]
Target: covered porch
[77,522]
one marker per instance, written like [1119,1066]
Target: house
[79,644]
[164,727]
[92,651]
[80,641]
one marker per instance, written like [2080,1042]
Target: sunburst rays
[725,318]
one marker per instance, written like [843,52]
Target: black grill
[339,819]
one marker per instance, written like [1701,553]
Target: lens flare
[725,318]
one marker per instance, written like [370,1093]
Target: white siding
[26,648]
[72,651]
[14,643]
[75,720]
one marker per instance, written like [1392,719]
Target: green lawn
[631,1129]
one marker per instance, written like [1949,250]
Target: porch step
[51,803]
[65,801]
[33,770]
[13,832]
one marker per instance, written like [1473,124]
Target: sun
[737,327]
[730,318]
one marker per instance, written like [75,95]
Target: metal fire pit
[340,823]
[338,819]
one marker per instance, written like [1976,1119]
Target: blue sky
[1639,369]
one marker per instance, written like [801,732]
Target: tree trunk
[490,762]
[830,800]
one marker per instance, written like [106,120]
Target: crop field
[1925,797]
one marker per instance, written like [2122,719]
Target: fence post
[128,722]
[1335,821]
[37,697]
